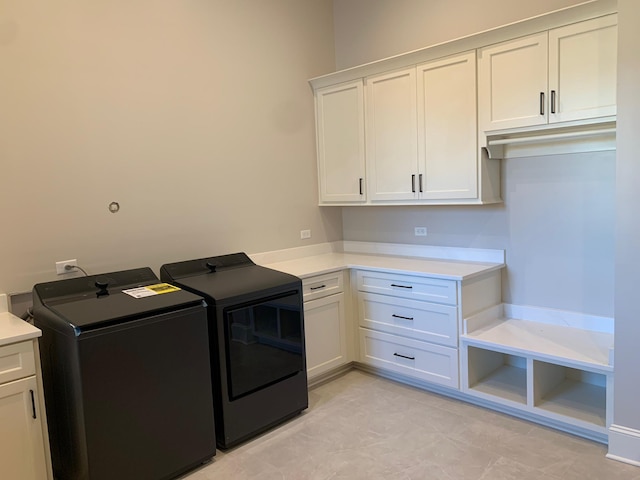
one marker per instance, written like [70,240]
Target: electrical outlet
[61,266]
[420,231]
[304,234]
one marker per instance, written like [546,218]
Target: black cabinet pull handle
[360,184]
[420,182]
[400,316]
[401,286]
[33,404]
[413,183]
[553,101]
[404,356]
[317,288]
[541,103]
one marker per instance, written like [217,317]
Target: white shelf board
[507,382]
[579,400]
[569,346]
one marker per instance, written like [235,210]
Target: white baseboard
[624,445]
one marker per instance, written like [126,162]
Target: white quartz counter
[12,328]
[331,262]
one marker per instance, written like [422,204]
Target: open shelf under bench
[557,372]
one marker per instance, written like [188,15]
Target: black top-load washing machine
[127,381]
[256,329]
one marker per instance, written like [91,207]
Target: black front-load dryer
[256,331]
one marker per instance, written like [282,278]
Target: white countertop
[13,329]
[331,262]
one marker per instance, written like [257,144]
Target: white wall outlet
[61,267]
[420,231]
[305,234]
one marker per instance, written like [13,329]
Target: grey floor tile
[360,426]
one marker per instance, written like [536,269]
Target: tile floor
[360,426]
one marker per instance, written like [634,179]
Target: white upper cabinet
[422,133]
[447,128]
[582,70]
[340,143]
[512,82]
[565,74]
[429,127]
[392,136]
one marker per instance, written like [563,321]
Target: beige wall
[556,224]
[196,116]
[557,220]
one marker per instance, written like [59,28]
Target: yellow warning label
[162,288]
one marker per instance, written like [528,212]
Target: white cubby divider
[553,366]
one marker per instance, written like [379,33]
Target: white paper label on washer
[139,292]
[149,290]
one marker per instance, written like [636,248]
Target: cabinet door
[447,128]
[391,131]
[582,70]
[340,137]
[512,82]
[325,334]
[21,441]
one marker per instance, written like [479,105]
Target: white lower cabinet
[22,448]
[324,324]
[408,323]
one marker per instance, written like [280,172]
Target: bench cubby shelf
[554,366]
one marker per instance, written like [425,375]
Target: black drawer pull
[541,103]
[360,184]
[553,101]
[33,404]
[400,316]
[317,288]
[404,356]
[401,286]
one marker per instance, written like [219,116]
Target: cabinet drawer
[16,361]
[426,361]
[425,321]
[322,285]
[408,286]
